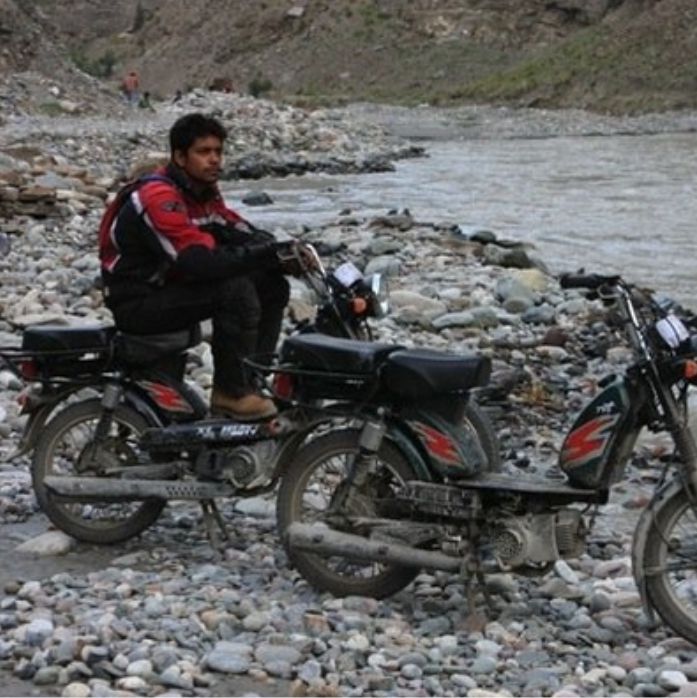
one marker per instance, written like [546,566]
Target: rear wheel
[65,449]
[670,564]
[309,487]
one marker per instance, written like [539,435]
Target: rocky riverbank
[167,614]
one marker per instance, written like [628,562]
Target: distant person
[221,85]
[178,95]
[145,102]
[131,88]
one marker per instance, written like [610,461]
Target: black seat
[323,353]
[59,338]
[144,349]
[419,373]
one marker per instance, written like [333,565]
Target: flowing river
[612,203]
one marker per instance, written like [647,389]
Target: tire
[672,542]
[58,451]
[337,575]
[476,419]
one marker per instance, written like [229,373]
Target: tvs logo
[438,444]
[166,397]
[588,441]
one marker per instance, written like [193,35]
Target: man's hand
[295,258]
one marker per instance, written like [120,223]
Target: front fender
[665,492]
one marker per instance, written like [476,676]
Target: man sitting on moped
[173,254]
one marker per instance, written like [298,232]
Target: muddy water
[611,203]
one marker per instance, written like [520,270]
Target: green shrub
[140,18]
[51,109]
[101,67]
[259,86]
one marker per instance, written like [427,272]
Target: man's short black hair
[188,128]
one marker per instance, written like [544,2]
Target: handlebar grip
[591,281]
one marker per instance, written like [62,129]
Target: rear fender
[641,533]
[144,407]
[35,423]
[293,441]
[395,433]
[39,416]
[402,438]
[41,407]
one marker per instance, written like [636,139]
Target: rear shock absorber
[369,444]
[110,401]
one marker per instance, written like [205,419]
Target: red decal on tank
[588,441]
[166,397]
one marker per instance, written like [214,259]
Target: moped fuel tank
[587,454]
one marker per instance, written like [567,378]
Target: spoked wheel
[670,559]
[66,448]
[309,488]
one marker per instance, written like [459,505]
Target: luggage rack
[311,383]
[61,364]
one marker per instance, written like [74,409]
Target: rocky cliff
[614,55]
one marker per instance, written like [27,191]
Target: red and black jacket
[159,230]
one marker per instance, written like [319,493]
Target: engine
[245,467]
[538,538]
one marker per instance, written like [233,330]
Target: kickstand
[475,580]
[476,620]
[211,517]
[481,579]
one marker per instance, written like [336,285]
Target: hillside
[607,55]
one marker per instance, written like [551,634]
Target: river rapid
[614,203]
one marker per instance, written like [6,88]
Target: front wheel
[670,564]
[307,491]
[65,448]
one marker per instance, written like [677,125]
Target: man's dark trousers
[247,312]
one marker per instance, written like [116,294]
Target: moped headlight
[380,295]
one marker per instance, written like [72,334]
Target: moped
[117,432]
[364,506]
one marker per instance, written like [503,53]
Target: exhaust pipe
[313,538]
[111,488]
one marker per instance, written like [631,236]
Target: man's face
[202,161]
